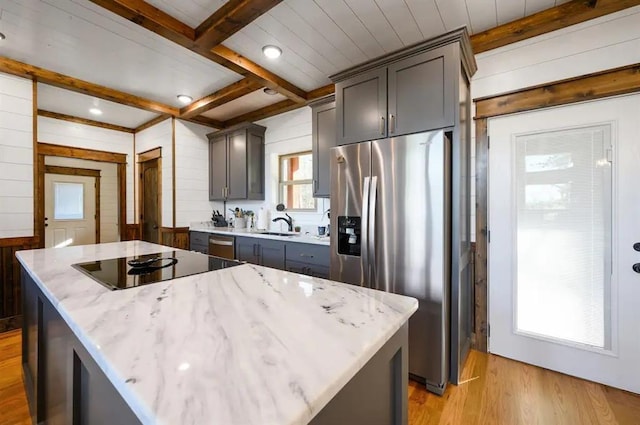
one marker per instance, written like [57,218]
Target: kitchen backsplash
[308,221]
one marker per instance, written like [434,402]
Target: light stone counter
[243,345]
[292,237]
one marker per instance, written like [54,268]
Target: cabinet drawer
[308,269]
[199,238]
[204,249]
[307,253]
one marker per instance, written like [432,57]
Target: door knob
[155,227]
[636,246]
[636,267]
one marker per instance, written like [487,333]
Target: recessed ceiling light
[269,91]
[95,111]
[271,52]
[183,98]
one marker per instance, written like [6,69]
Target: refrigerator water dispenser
[349,235]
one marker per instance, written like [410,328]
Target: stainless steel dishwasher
[222,246]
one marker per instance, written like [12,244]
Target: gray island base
[244,345]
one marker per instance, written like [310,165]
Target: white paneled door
[564,217]
[69,210]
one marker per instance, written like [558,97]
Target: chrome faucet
[288,220]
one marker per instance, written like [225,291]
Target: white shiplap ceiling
[63,101]
[318,38]
[83,40]
[323,37]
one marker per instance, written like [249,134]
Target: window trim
[283,183]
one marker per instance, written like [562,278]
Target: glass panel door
[563,263]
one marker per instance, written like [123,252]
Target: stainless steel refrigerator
[391,229]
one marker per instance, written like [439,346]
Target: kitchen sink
[279,234]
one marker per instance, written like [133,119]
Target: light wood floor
[13,400]
[499,391]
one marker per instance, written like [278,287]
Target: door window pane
[68,201]
[563,214]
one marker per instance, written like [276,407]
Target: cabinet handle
[223,192]
[382,126]
[392,123]
[306,255]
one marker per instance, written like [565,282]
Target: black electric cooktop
[117,273]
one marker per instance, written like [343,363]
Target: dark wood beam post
[548,20]
[220,97]
[229,19]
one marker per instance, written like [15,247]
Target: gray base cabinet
[236,163]
[64,384]
[262,252]
[312,260]
[323,138]
[199,242]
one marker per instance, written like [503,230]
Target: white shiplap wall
[109,230]
[65,133]
[192,173]
[16,157]
[597,45]
[286,133]
[161,135]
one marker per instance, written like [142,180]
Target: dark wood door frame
[150,155]
[85,172]
[46,149]
[614,82]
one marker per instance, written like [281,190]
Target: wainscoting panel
[10,300]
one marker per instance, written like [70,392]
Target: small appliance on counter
[218,219]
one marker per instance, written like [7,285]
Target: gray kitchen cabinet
[309,259]
[323,138]
[408,91]
[217,167]
[361,107]
[236,163]
[263,252]
[199,242]
[421,92]
[246,250]
[64,384]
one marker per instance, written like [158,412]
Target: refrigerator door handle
[364,233]
[371,248]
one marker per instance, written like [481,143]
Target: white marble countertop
[244,345]
[294,237]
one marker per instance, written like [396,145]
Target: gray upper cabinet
[361,107]
[236,163]
[421,92]
[323,139]
[408,91]
[217,167]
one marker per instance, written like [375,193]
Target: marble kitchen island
[242,345]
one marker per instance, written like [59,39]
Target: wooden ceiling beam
[229,19]
[248,68]
[548,20]
[151,123]
[220,97]
[163,24]
[210,122]
[42,75]
[321,92]
[266,112]
[279,107]
[84,121]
